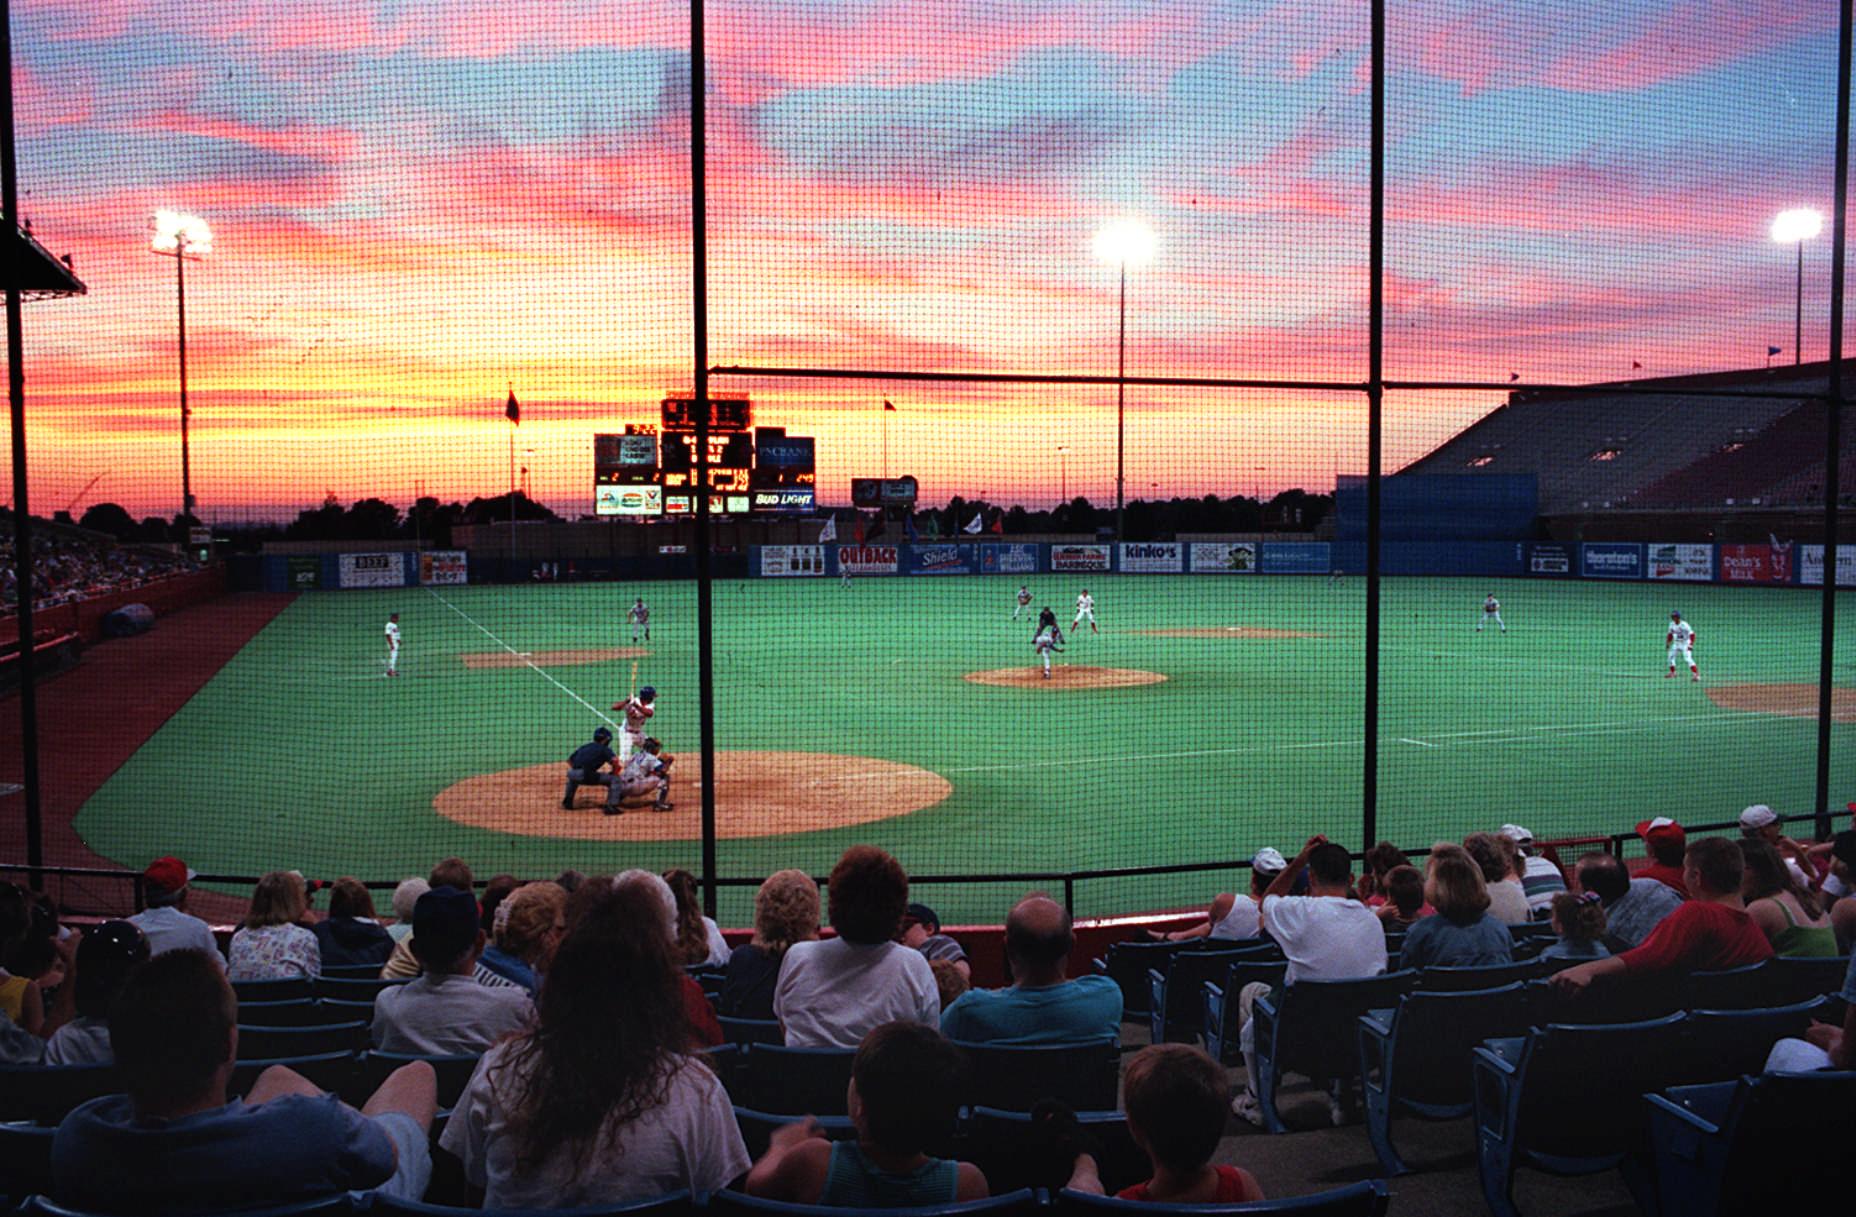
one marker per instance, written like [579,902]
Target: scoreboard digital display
[725,414]
[651,470]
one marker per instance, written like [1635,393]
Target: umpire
[584,769]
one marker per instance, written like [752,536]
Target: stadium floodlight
[1063,462]
[1125,242]
[182,237]
[1795,226]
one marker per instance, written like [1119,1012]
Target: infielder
[640,617]
[648,773]
[1024,602]
[1085,607]
[638,711]
[584,769]
[1681,641]
[1049,639]
[393,644]
[1491,611]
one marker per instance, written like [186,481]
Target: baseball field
[1209,717]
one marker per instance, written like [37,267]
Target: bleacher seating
[352,989]
[1220,1029]
[350,971]
[331,1071]
[730,1204]
[799,1081]
[1766,1144]
[657,1206]
[1486,976]
[751,1030]
[1014,1077]
[299,1012]
[1731,1042]
[43,1094]
[758,1127]
[454,1074]
[327,1206]
[294,988]
[1127,964]
[1793,980]
[25,1161]
[1003,1146]
[1368,1199]
[1313,1032]
[269,1043]
[1176,994]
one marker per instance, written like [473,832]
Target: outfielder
[1024,602]
[1085,607]
[1049,639]
[640,617]
[1491,611]
[638,711]
[648,773]
[1681,642]
[393,644]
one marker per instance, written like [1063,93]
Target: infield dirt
[1793,701]
[1066,676]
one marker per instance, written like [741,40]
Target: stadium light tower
[1125,242]
[182,237]
[1063,477]
[1795,227]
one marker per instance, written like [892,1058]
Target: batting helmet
[647,694]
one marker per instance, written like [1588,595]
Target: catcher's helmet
[647,694]
[602,735]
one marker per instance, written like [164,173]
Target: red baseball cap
[1663,828]
[167,875]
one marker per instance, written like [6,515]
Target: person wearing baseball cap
[1233,917]
[165,922]
[1541,880]
[445,1012]
[1666,843]
[1762,822]
[104,960]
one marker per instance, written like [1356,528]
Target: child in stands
[1579,920]
[1404,888]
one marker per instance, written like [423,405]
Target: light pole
[1796,226]
[180,236]
[1125,242]
[1063,465]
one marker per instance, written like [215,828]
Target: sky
[420,204]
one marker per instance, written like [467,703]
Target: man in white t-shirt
[165,922]
[445,1012]
[1325,935]
[832,993]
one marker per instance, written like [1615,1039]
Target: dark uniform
[584,769]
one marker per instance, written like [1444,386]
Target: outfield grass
[299,754]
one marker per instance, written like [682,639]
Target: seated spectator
[1325,935]
[1666,843]
[1041,1007]
[494,893]
[529,924]
[271,945]
[445,1012]
[831,994]
[705,1032]
[1404,899]
[906,1086]
[1760,823]
[452,872]
[1825,1045]
[1381,860]
[1541,879]
[350,934]
[1633,906]
[165,922]
[1463,934]
[1174,1096]
[785,912]
[18,1046]
[1579,920]
[921,931]
[1498,859]
[699,939]
[174,1144]
[1233,918]
[950,983]
[33,966]
[1710,932]
[1787,914]
[601,1101]
[1840,886]
[104,960]
[404,897]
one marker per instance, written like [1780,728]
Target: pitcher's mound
[1793,701]
[758,794]
[549,659]
[1066,676]
[1229,631]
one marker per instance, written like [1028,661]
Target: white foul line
[524,657]
[1415,742]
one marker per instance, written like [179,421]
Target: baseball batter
[1681,642]
[1023,605]
[640,617]
[638,710]
[393,644]
[1491,611]
[1049,639]
[1085,609]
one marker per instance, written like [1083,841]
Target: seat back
[751,1030]
[1012,1153]
[1368,1199]
[1183,1012]
[351,971]
[1795,980]
[329,1071]
[1013,1077]
[1799,1120]
[1316,1022]
[1486,976]
[454,1072]
[1724,1044]
[267,1043]
[44,1094]
[1731,989]
[291,988]
[356,989]
[324,1206]
[757,1128]
[1009,1204]
[1616,999]
[1581,1086]
[1127,964]
[799,1081]
[26,1159]
[657,1206]
[1435,1032]
[298,1012]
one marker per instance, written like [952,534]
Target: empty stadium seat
[454,1074]
[758,1127]
[675,1202]
[1015,1076]
[25,1161]
[351,971]
[356,989]
[1730,989]
[294,988]
[1021,1201]
[1176,993]
[43,1094]
[1765,1144]
[1486,976]
[1127,964]
[266,1043]
[1724,1044]
[1220,1028]
[1004,1147]
[1414,1058]
[751,1030]
[1616,999]
[800,1081]
[1368,1199]
[339,1010]
[1793,980]
[1311,1029]
[298,1012]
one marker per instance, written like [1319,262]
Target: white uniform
[637,716]
[1491,611]
[1681,643]
[644,774]
[393,648]
[640,618]
[1023,602]
[1049,638]
[1085,611]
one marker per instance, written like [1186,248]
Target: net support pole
[699,303]
[1833,429]
[22,510]
[1375,426]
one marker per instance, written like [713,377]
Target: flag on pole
[998,524]
[1771,351]
[1513,376]
[888,406]
[977,524]
[513,411]
[829,533]
[1635,366]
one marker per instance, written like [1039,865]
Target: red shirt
[1700,936]
[703,1028]
[1235,1186]
[1670,875]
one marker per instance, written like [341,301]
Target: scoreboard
[725,414]
[651,470]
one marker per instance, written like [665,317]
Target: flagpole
[885,412]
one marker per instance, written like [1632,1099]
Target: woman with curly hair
[785,912]
[602,1101]
[699,939]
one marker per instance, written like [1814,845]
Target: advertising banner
[1016,559]
[1694,563]
[305,572]
[1078,557]
[1153,557]
[1295,558]
[628,500]
[797,500]
[1757,563]
[373,570]
[941,559]
[444,566]
[867,559]
[1223,558]
[1611,560]
[1811,565]
[790,561]
[1548,559]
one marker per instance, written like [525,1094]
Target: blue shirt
[291,1148]
[589,757]
[1438,941]
[1073,1012]
[852,1180]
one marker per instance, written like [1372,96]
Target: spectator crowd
[67,568]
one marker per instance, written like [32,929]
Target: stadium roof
[34,270]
